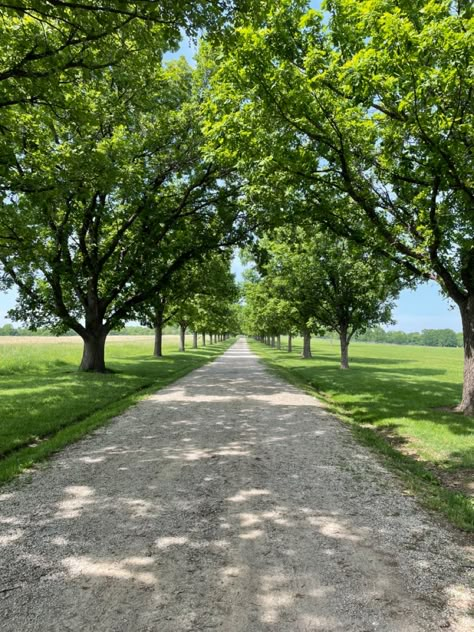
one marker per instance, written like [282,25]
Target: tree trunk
[158,351]
[290,343]
[93,355]
[272,341]
[210,339]
[203,339]
[182,337]
[195,340]
[467,316]
[306,344]
[278,342]
[344,348]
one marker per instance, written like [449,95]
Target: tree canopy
[106,202]
[325,283]
[366,117]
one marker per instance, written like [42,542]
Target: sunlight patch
[166,542]
[246,494]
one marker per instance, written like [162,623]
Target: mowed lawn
[398,391]
[45,402]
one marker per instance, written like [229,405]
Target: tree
[266,314]
[333,283]
[215,305]
[203,279]
[157,312]
[106,203]
[283,283]
[210,289]
[439,338]
[372,116]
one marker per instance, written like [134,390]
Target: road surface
[228,501]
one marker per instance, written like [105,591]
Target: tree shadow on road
[223,502]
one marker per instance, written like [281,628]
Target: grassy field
[45,402]
[391,395]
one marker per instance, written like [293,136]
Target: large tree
[371,113]
[106,202]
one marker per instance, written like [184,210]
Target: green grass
[47,403]
[390,396]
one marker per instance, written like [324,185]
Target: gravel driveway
[227,501]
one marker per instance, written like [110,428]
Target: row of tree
[362,119]
[118,171]
[427,337]
[308,281]
[108,203]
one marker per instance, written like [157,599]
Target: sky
[422,308]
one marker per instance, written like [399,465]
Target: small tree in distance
[332,283]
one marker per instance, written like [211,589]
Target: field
[46,402]
[393,397]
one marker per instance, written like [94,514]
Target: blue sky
[422,308]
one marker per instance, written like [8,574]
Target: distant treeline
[428,337]
[132,330]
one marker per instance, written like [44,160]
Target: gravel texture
[227,501]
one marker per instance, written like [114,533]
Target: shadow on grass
[36,406]
[377,393]
[380,393]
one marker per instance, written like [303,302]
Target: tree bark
[210,339]
[306,344]
[158,350]
[278,344]
[272,341]
[182,337]
[467,316]
[203,339]
[344,348]
[195,340]
[93,354]
[290,343]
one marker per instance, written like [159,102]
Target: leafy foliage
[321,282]
[105,203]
[366,123]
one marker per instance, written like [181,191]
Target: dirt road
[228,501]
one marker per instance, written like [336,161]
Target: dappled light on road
[129,568]
[227,501]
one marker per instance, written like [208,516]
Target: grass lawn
[46,403]
[390,395]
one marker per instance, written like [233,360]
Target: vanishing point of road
[228,501]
